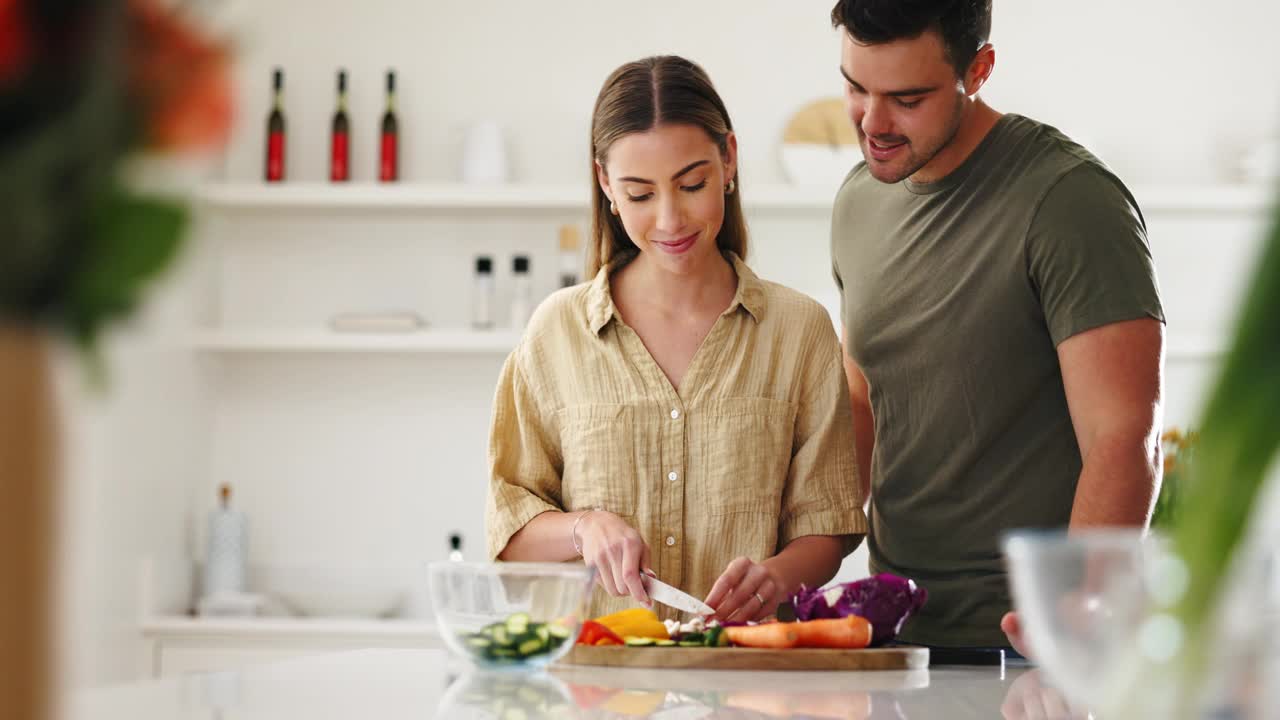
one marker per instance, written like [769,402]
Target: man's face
[904,100]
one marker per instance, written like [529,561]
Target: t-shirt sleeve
[1088,258]
[835,273]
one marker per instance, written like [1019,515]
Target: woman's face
[668,185]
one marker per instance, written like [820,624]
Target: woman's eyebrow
[683,170]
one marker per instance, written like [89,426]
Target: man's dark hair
[964,25]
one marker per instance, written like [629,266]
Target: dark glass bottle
[340,138]
[389,147]
[275,130]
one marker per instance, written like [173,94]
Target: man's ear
[980,69]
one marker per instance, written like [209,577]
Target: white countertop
[422,684]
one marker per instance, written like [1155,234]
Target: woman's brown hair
[636,98]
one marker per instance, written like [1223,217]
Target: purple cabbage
[885,600]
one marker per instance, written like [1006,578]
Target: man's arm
[864,429]
[1113,380]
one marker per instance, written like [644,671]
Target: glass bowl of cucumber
[509,615]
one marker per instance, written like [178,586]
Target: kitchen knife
[674,597]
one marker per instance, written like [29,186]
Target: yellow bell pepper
[636,622]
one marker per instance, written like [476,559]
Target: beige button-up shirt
[754,451]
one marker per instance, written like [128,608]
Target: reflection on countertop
[395,684]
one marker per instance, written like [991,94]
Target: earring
[728,189]
[613,207]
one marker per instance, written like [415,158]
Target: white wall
[341,459]
[1164,89]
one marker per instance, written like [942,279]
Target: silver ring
[759,598]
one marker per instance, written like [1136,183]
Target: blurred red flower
[15,48]
[178,79]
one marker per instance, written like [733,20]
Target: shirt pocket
[598,444]
[749,444]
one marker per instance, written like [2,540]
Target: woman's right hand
[616,551]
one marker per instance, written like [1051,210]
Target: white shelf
[268,627]
[258,196]
[371,196]
[423,341]
[1204,198]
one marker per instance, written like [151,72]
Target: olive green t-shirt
[955,295]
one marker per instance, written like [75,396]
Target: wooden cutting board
[679,658]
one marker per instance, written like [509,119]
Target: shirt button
[675,414]
[673,476]
[670,540]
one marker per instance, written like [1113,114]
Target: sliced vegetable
[636,622]
[716,637]
[515,638]
[640,641]
[885,600]
[593,633]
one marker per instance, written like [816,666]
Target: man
[1003,329]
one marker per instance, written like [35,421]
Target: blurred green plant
[84,85]
[1237,446]
[1179,454]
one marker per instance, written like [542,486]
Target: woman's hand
[616,551]
[747,590]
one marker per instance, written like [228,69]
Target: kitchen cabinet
[177,646]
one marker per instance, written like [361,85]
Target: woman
[676,414]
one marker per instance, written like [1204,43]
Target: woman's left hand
[746,590]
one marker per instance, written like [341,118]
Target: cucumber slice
[558,631]
[501,636]
[518,623]
[530,646]
[639,641]
[478,643]
[665,643]
[691,643]
[716,637]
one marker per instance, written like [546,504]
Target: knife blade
[674,597]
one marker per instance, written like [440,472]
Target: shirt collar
[750,295]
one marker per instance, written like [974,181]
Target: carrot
[774,635]
[845,633]
[848,633]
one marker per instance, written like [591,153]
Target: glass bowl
[1089,603]
[509,615]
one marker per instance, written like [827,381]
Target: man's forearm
[811,560]
[1119,483]
[864,442]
